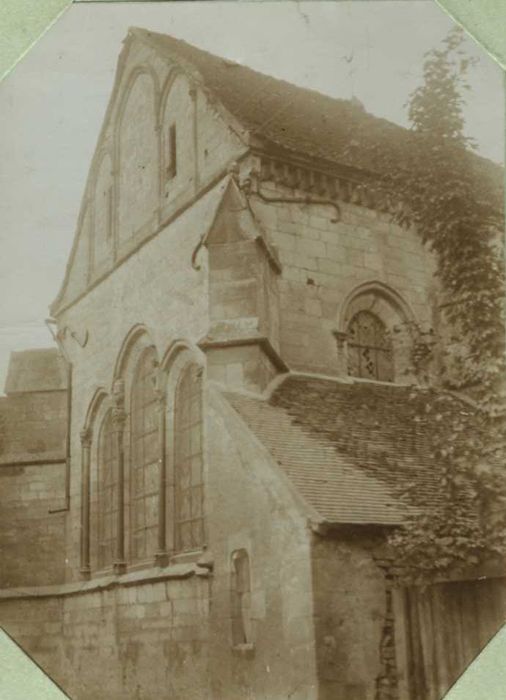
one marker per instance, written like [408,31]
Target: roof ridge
[318,112]
[147,34]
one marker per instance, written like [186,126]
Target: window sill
[200,557]
[190,557]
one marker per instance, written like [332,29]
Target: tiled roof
[35,370]
[349,448]
[298,119]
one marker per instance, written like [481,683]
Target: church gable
[161,144]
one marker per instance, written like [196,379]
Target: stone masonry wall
[139,641]
[350,616]
[32,423]
[169,298]
[155,285]
[32,482]
[251,507]
[32,540]
[170,629]
[324,261]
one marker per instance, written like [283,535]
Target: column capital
[118,417]
[161,398]
[86,436]
[118,393]
[340,336]
[119,567]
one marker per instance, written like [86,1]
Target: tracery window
[188,461]
[370,353]
[107,493]
[144,459]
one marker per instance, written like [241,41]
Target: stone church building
[196,488]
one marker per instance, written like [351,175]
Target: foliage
[439,189]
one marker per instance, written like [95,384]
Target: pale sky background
[52,105]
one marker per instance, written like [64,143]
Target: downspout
[66,507]
[301,200]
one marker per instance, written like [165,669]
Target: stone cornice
[210,343]
[153,575]
[320,179]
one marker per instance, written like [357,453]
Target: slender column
[161,557]
[119,419]
[342,351]
[86,438]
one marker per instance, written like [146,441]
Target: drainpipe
[50,322]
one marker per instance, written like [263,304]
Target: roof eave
[329,528]
[260,145]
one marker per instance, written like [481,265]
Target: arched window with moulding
[107,495]
[188,460]
[370,352]
[241,599]
[375,334]
[144,458]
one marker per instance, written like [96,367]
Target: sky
[53,103]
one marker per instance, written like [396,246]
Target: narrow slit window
[241,598]
[171,169]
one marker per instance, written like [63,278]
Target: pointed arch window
[188,461]
[107,493]
[144,459]
[370,353]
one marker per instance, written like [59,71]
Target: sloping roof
[298,119]
[349,448]
[35,370]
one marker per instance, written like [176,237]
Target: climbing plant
[436,184]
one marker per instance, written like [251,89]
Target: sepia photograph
[252,352]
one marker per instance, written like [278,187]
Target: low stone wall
[351,619]
[120,637]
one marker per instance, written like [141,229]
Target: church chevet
[198,482]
